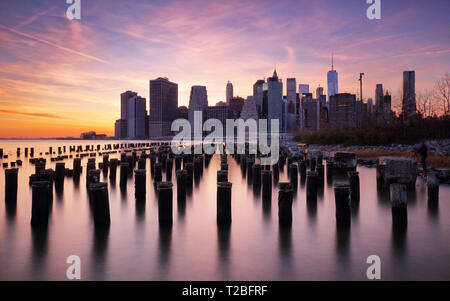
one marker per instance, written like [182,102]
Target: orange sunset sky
[60,77]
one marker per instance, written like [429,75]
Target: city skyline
[61,77]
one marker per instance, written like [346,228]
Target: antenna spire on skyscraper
[332,61]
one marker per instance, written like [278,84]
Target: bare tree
[397,101]
[426,104]
[442,93]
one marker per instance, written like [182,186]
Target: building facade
[409,108]
[163,106]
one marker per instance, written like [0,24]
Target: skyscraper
[121,125]
[379,96]
[136,115]
[229,92]
[198,101]
[332,79]
[302,90]
[274,99]
[163,106]
[258,94]
[409,95]
[291,96]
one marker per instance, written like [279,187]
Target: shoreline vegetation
[396,139]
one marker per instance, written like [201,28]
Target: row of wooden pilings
[189,168]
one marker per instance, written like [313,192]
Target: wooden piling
[165,196]
[342,201]
[224,203]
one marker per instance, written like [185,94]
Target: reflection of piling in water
[40,209]
[198,164]
[157,173]
[312,164]
[190,174]
[267,185]
[224,203]
[178,162]
[139,184]
[256,174]
[250,170]
[285,195]
[100,204]
[353,178]
[320,174]
[141,163]
[11,176]
[113,169]
[432,188]
[342,201]
[302,170]
[311,186]
[123,174]
[276,172]
[169,167]
[293,172]
[222,176]
[165,194]
[181,184]
[398,196]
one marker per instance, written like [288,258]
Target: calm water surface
[253,248]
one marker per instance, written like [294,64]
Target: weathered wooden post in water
[342,201]
[398,196]
[311,186]
[40,207]
[123,174]
[11,176]
[285,195]
[303,169]
[222,176]
[165,195]
[100,204]
[224,203]
[139,184]
[60,170]
[113,169]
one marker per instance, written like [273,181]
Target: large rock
[345,161]
[399,170]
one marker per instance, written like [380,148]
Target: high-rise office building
[343,110]
[379,96]
[302,90]
[409,108]
[319,92]
[258,94]
[198,102]
[163,106]
[123,103]
[221,113]
[332,80]
[274,99]
[136,115]
[229,92]
[291,96]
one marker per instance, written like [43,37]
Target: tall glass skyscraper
[274,99]
[332,80]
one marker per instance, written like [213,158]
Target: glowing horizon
[61,77]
